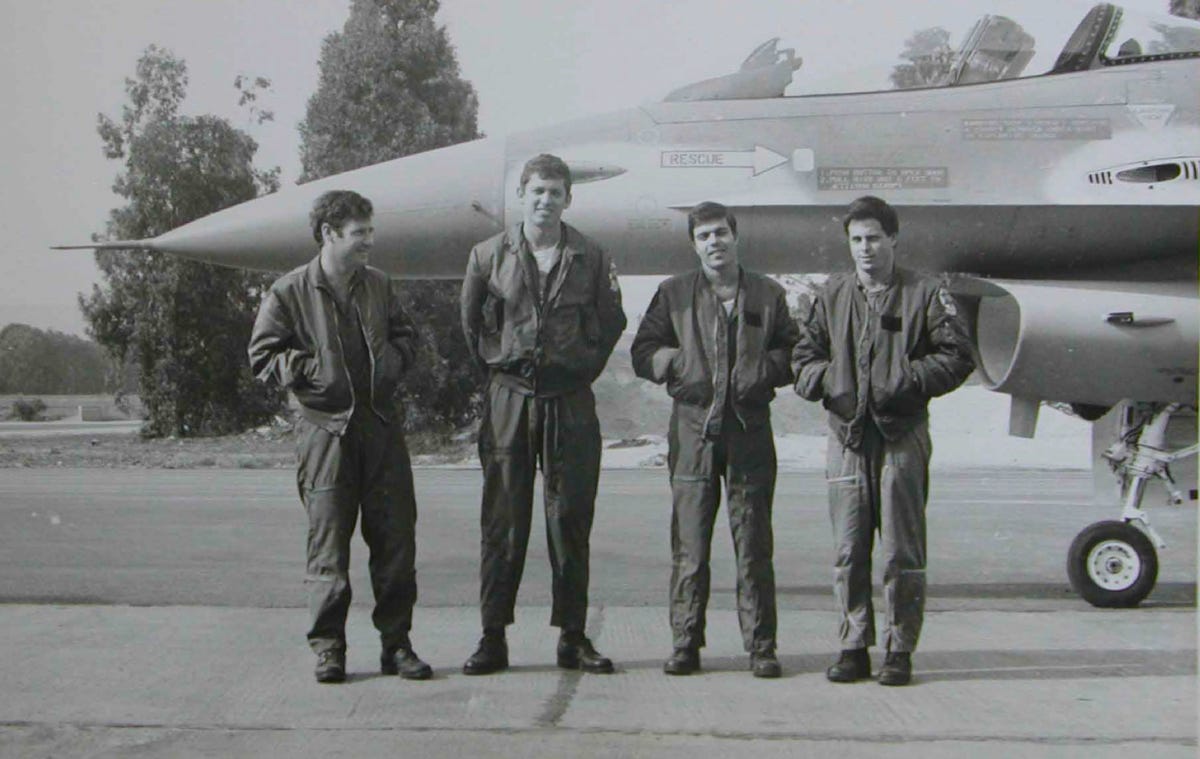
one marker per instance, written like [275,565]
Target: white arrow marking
[760,159]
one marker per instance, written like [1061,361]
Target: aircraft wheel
[1089,412]
[1112,564]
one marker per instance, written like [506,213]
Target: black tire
[1112,564]
[1089,412]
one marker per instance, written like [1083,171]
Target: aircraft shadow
[1052,664]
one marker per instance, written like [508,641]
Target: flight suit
[875,360]
[543,345]
[722,381]
[343,363]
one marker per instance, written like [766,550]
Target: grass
[267,448]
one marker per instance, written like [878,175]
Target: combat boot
[331,666]
[491,655]
[575,651]
[896,669]
[683,661]
[404,662]
[854,664]
[764,664]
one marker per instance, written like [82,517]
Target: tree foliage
[1185,8]
[389,86]
[47,362]
[927,59]
[184,324]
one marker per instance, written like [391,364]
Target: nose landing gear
[1114,563]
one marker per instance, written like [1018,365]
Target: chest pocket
[575,305]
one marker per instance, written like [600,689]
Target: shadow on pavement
[1051,664]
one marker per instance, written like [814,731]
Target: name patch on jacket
[890,323]
[753,319]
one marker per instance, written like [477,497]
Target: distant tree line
[45,362]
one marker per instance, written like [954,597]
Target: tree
[928,57]
[1186,8]
[1175,38]
[184,324]
[389,86]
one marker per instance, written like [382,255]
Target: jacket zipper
[716,340]
[733,359]
[362,328]
[543,308]
[337,318]
[729,387]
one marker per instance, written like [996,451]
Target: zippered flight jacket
[884,363]
[686,314]
[296,343]
[541,344]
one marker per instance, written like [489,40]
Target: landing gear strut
[1113,563]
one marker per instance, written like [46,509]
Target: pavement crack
[568,682]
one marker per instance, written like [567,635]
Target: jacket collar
[313,274]
[897,280]
[568,240]
[703,283]
[316,278]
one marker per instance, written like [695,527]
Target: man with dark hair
[547,166]
[877,344]
[541,309]
[334,332]
[720,338]
[335,208]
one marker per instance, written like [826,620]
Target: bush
[30,410]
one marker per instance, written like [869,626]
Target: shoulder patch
[613,284]
[947,301]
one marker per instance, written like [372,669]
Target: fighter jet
[1049,169]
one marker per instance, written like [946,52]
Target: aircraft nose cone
[430,208]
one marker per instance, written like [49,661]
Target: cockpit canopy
[995,48]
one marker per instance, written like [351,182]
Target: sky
[532,64]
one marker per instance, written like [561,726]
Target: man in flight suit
[720,337]
[541,308]
[877,344]
[334,333]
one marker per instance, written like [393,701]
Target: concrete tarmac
[157,613]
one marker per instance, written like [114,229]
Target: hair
[546,166]
[337,207]
[710,211]
[871,207]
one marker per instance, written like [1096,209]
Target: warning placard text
[1036,129]
[882,177]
